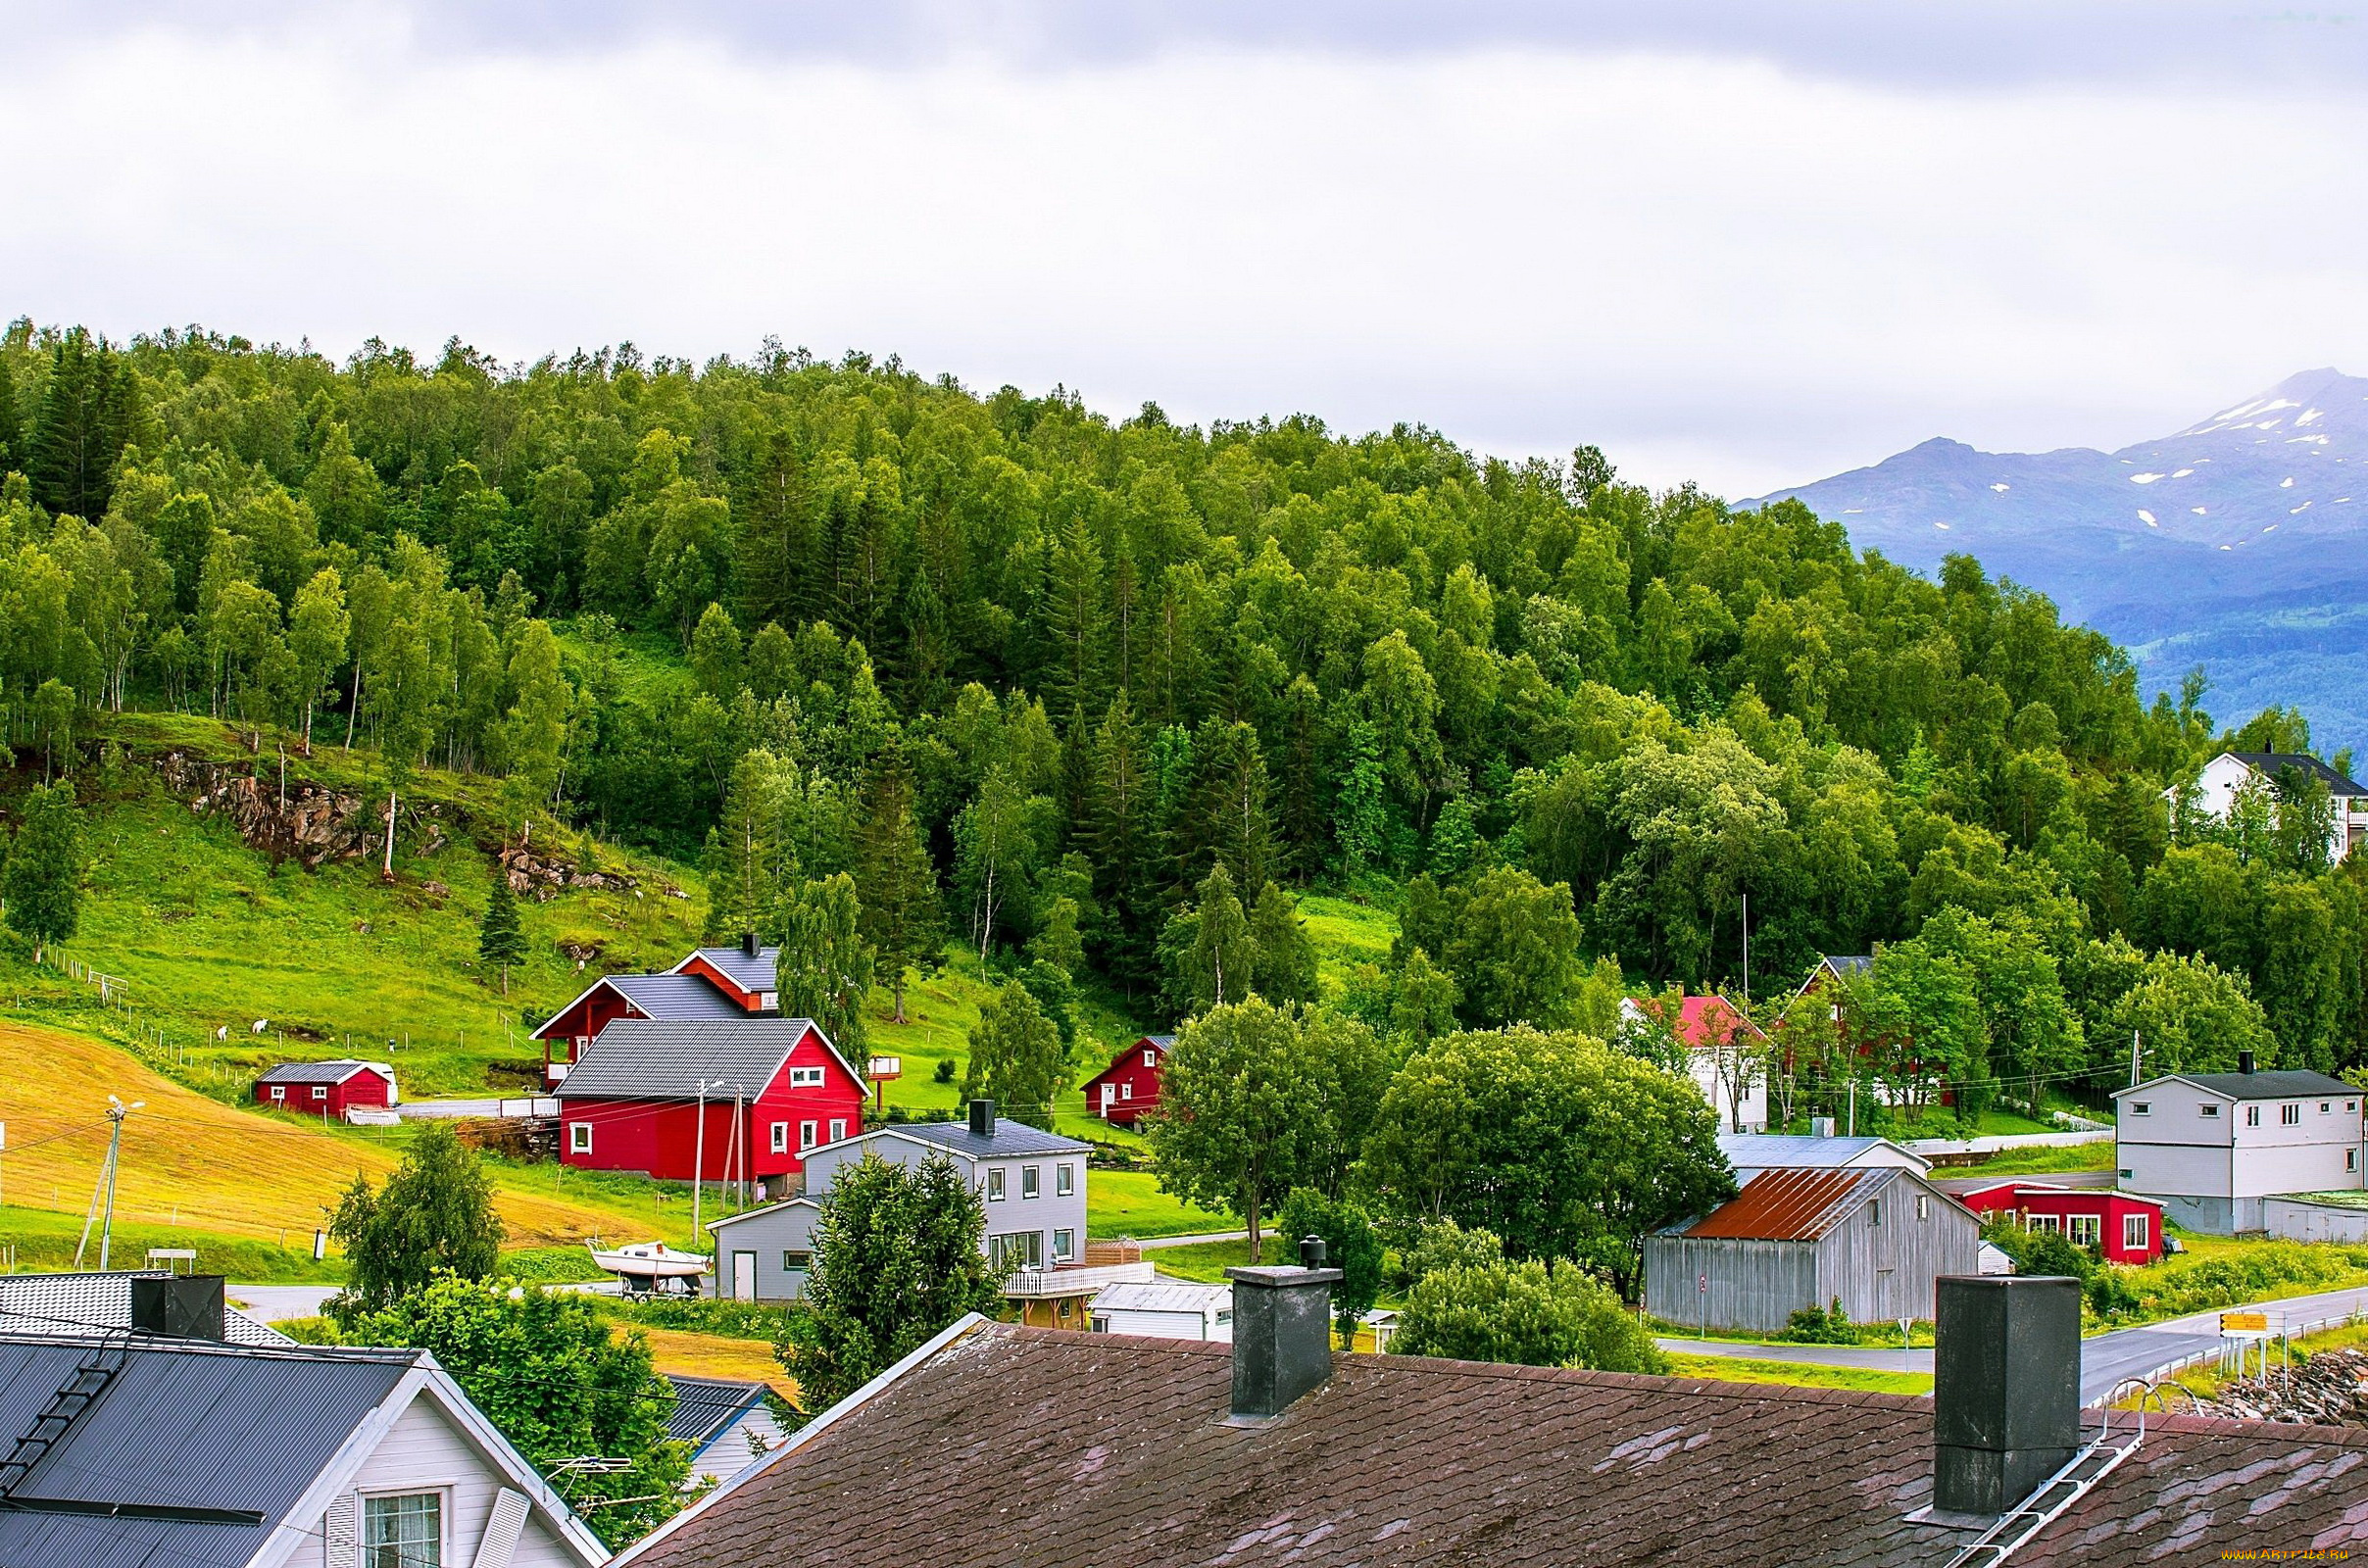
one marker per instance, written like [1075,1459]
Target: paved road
[275,1303]
[1194,1241]
[2106,1359]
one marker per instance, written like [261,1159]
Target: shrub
[1524,1314]
[1821,1325]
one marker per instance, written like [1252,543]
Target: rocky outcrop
[2329,1390]
[314,824]
[533,877]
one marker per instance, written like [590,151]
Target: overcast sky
[1748,244]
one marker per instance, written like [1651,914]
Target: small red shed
[1120,1092]
[660,1098]
[327,1088]
[2123,1228]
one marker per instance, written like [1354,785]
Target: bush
[2111,1293]
[945,1070]
[1821,1325]
[2250,1272]
[1524,1314]
[736,1320]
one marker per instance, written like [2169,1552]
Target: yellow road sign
[2245,1322]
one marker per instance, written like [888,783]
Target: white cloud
[1711,267]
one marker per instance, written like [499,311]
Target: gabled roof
[1113,1451]
[1848,962]
[1119,1058]
[657,995]
[2017,1187]
[322,1072]
[1788,1206]
[94,1304]
[654,1058]
[751,971]
[2286,1084]
[2269,764]
[706,1408]
[1801,1152]
[764,1209]
[1010,1138]
[1703,1022]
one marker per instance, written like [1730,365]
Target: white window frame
[995,1184]
[279,1092]
[1031,1182]
[838,1128]
[1065,1179]
[2352,1161]
[1923,1206]
[2141,1107]
[579,1138]
[807,1077]
[2252,1115]
[2045,1224]
[791,1259]
[1126,1091]
[780,1138]
[1064,1246]
[807,1135]
[370,1557]
[2137,1233]
[1151,1058]
[768,1001]
[2290,1116]
[2085,1230]
[2209,1111]
[321,1090]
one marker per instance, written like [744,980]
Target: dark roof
[2288,1084]
[705,1408]
[321,1072]
[193,1426]
[93,1303]
[1113,1451]
[2272,764]
[1799,1150]
[752,971]
[657,1059]
[1011,1138]
[1164,1041]
[1790,1205]
[674,997]
[1848,963]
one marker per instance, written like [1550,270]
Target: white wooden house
[2212,1146]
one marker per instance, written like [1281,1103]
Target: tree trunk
[390,869]
[353,707]
[897,989]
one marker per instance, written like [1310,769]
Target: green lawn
[1799,1374]
[2041,1160]
[1129,1202]
[1207,1262]
[1346,934]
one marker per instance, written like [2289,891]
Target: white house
[2230,775]
[2213,1145]
[762,1255]
[1723,1056]
[1166,1309]
[227,1455]
[727,1424]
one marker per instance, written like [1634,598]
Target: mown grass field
[1799,1374]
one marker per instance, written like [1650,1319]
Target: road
[2106,1359]
[1192,1241]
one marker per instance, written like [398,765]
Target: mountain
[2235,543]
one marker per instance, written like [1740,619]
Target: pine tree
[1363,818]
[903,916]
[500,941]
[79,429]
[1076,617]
[10,419]
[45,870]
[1228,821]
[775,530]
[1120,839]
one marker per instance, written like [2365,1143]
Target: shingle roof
[2272,764]
[655,1058]
[94,1304]
[184,1425]
[1011,1138]
[705,1407]
[2286,1084]
[1113,1451]
[1790,1205]
[754,971]
[321,1072]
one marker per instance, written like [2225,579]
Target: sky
[1744,244]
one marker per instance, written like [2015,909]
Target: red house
[719,1099]
[670,997]
[744,974]
[1120,1092]
[2124,1229]
[317,1088]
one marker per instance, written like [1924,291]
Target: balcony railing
[1072,1279]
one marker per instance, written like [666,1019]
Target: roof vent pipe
[2005,1390]
[1282,1333]
[982,1118]
[2244,1062]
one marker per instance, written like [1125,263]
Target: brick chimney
[2005,1389]
[1282,1332]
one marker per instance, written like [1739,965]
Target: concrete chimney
[982,1118]
[748,943]
[1821,1126]
[2005,1388]
[2245,1062]
[1282,1332]
[187,1306]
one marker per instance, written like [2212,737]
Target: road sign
[1702,1283]
[2245,1322]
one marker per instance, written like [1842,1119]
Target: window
[2326,1105]
[768,1001]
[2252,1115]
[2085,1229]
[406,1531]
[2351,1104]
[995,1185]
[1064,1310]
[579,1138]
[2141,1107]
[2046,1223]
[1225,1317]
[280,1091]
[2135,1237]
[2352,1161]
[2208,1113]
[1874,1212]
[838,1128]
[1015,1250]
[2290,1116]
[796,1260]
[1126,1091]
[1100,1324]
[1923,1206]
[1030,1183]
[780,1137]
[804,1077]
[1064,1180]
[320,1092]
[1064,1246]
[1151,1058]
[805,1135]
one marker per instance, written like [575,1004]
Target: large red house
[317,1088]
[719,1099]
[2123,1228]
[1120,1092]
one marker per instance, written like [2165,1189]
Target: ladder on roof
[91,1376]
[2057,1494]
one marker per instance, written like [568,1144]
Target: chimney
[982,1118]
[2245,1062]
[187,1306]
[1282,1333]
[748,943]
[1821,1126]
[2005,1389]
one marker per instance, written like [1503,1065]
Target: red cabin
[672,997]
[1120,1092]
[2123,1228]
[327,1088]
[719,1099]
[743,976]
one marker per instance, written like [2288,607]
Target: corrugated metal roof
[753,971]
[323,1072]
[93,1303]
[1160,1297]
[1011,1138]
[706,1406]
[665,1058]
[192,1425]
[676,995]
[1790,1205]
[1754,1152]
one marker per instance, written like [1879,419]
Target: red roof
[1789,1206]
[1704,1021]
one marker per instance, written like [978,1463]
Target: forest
[1101,696]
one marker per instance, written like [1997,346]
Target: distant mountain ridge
[2234,543]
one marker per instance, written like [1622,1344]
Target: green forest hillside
[905,669]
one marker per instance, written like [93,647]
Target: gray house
[1033,1181]
[2215,1146]
[762,1255]
[1874,1239]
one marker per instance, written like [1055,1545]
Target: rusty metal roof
[1790,1205]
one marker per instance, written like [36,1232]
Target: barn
[327,1088]
[1874,1239]
[719,1099]
[2122,1227]
[1122,1091]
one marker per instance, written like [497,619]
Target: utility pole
[699,1161]
[1852,1128]
[1747,950]
[2133,1058]
[117,1110]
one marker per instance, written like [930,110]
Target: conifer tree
[500,941]
[79,429]
[825,966]
[903,916]
[45,870]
